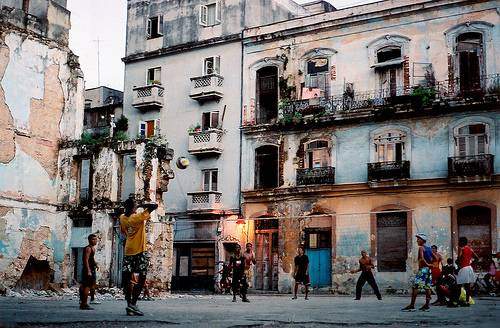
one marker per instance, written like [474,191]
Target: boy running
[466,276]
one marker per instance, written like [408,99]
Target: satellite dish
[182,163]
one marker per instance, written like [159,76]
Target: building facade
[103,109]
[364,126]
[57,183]
[183,81]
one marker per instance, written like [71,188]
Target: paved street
[263,311]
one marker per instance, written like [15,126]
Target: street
[263,311]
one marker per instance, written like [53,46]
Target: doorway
[266,254]
[318,246]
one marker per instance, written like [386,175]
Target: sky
[105,20]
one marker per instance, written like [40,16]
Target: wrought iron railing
[315,176]
[470,166]
[395,170]
[416,96]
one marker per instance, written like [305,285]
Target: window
[389,69]
[211,65]
[154,76]
[390,147]
[317,154]
[210,180]
[148,129]
[210,120]
[317,76]
[155,27]
[85,182]
[471,140]
[392,248]
[266,167]
[267,94]
[210,14]
[469,49]
[81,222]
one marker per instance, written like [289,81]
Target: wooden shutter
[215,180]
[206,180]
[392,250]
[217,65]
[148,28]
[203,15]
[214,120]
[218,12]
[205,121]
[160,24]
[150,128]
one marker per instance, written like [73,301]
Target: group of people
[447,279]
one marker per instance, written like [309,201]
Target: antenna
[98,61]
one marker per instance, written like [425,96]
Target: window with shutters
[154,76]
[317,154]
[390,146]
[85,184]
[389,68]
[210,120]
[392,235]
[267,94]
[211,65]
[469,52]
[210,179]
[317,75]
[155,27]
[148,129]
[210,14]
[472,139]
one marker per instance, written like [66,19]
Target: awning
[388,63]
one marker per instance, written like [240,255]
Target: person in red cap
[423,278]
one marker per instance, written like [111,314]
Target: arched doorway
[267,94]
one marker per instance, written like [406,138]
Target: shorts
[466,276]
[137,263]
[423,279]
[249,275]
[88,281]
[302,279]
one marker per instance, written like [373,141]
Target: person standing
[423,278]
[301,272]
[136,259]
[88,272]
[466,276]
[249,261]
[437,264]
[366,266]
[239,283]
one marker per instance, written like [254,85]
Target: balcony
[463,169]
[207,87]
[384,103]
[149,97]
[388,174]
[316,176]
[204,201]
[205,142]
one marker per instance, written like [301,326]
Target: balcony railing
[148,97]
[207,87]
[316,176]
[205,142]
[470,168]
[204,201]
[84,197]
[384,171]
[414,97]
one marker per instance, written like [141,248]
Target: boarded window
[390,147]
[202,261]
[266,167]
[317,154]
[469,51]
[317,76]
[392,248]
[474,222]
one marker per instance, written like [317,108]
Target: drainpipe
[240,126]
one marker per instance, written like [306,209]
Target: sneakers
[425,308]
[95,302]
[85,307]
[306,298]
[134,310]
[294,298]
[246,300]
[409,308]
[234,299]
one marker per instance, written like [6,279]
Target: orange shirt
[135,229]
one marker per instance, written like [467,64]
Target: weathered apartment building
[364,126]
[57,184]
[183,69]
